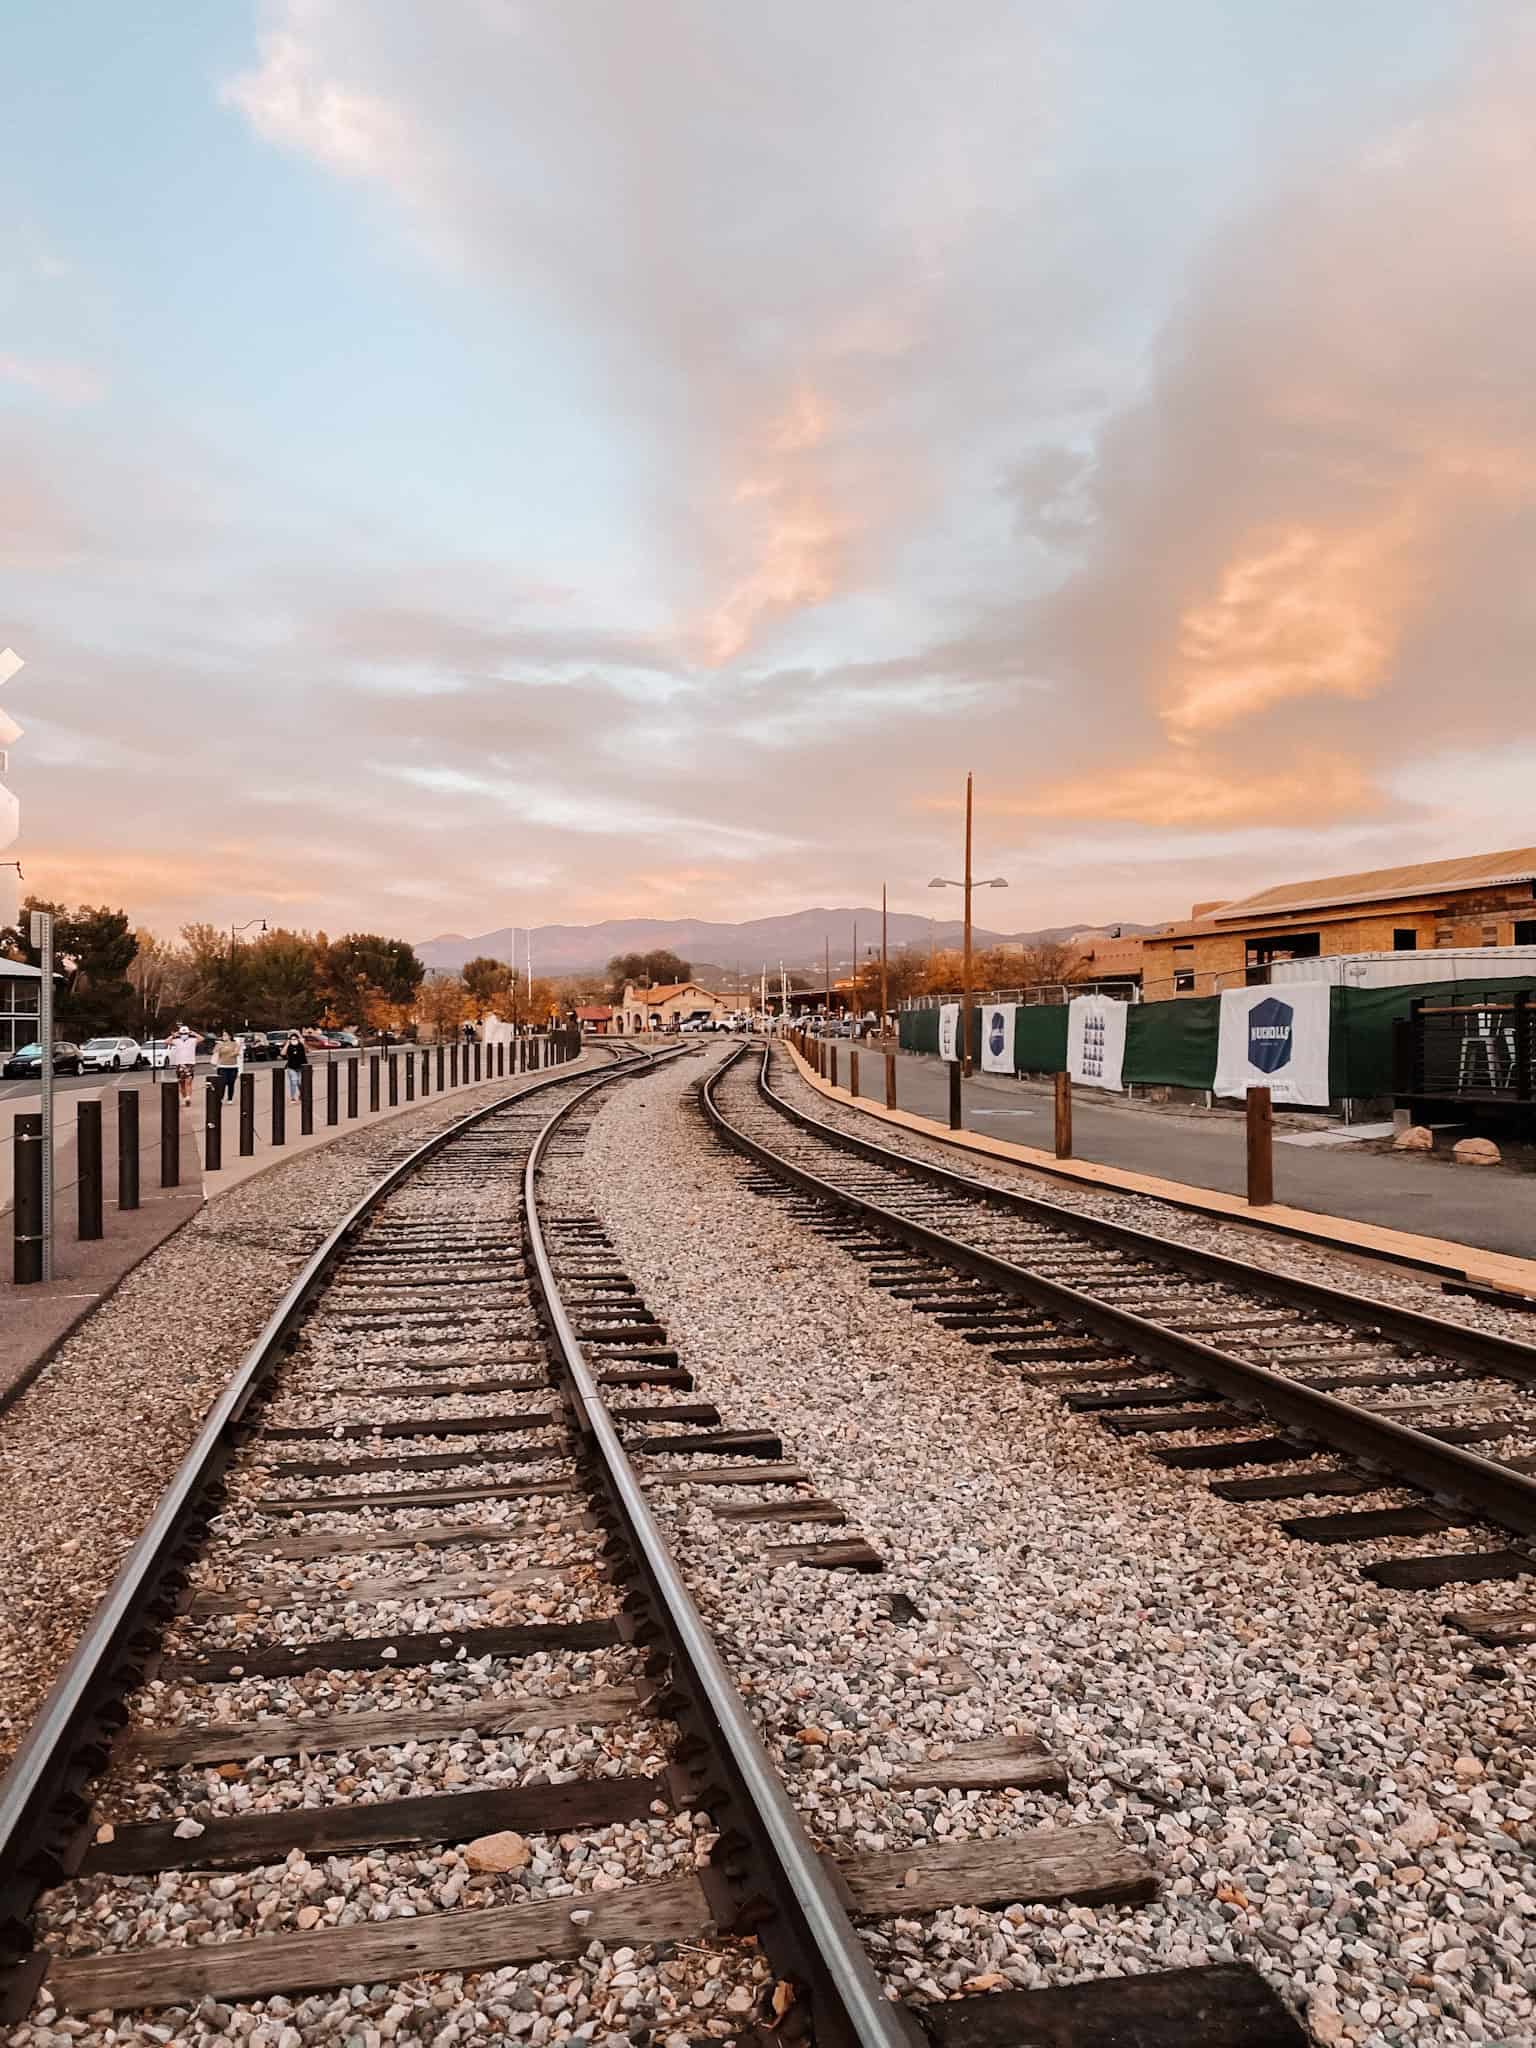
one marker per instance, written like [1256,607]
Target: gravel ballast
[87,1450]
[1327,1785]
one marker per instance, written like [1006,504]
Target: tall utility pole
[42,939]
[965,972]
[826,945]
[947,882]
[855,969]
[885,970]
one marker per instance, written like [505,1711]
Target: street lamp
[234,933]
[968,884]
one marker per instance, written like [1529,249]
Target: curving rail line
[1295,1363]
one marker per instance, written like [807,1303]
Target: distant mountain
[798,940]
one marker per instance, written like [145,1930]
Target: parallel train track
[1327,1392]
[358,1562]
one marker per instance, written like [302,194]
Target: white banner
[1096,1041]
[949,1031]
[1275,1038]
[997,1038]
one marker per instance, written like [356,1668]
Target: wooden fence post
[1261,1148]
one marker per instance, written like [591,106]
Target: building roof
[594,1013]
[668,990]
[1371,885]
[18,970]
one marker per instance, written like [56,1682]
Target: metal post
[853,1071]
[170,1134]
[442,1069]
[42,938]
[885,974]
[1261,1148]
[426,1071]
[373,1082]
[501,1059]
[410,1077]
[832,1066]
[965,978]
[88,1169]
[477,1059]
[352,1065]
[307,1100]
[279,1108]
[213,1127]
[1063,1116]
[247,1139]
[27,1215]
[128,1149]
[332,1092]
[956,1113]
[890,1080]
[394,1079]
[453,1064]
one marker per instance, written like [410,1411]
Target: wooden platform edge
[1442,1256]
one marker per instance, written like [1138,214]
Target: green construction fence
[1173,1044]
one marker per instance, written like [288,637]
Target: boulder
[1415,1139]
[1475,1152]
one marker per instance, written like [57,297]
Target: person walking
[182,1054]
[227,1054]
[295,1059]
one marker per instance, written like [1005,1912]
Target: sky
[502,463]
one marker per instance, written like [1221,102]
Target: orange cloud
[1180,791]
[798,541]
[1300,612]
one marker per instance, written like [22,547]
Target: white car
[110,1055]
[155,1052]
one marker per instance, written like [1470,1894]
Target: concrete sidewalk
[34,1320]
[1423,1210]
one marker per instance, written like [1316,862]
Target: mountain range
[800,940]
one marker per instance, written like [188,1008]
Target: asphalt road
[1490,1207]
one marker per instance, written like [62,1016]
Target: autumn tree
[442,1002]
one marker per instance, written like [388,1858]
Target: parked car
[26,1062]
[347,1040]
[103,1055]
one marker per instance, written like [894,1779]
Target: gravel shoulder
[86,1452]
[1327,1786]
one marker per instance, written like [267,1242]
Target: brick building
[667,1008]
[1485,899]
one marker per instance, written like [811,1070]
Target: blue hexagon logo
[997,1035]
[1271,1032]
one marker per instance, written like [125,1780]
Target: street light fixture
[234,932]
[968,884]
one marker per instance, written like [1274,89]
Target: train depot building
[1486,899]
[669,1007]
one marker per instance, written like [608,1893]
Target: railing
[392,1079]
[1478,1051]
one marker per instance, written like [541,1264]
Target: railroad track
[406,1610]
[1304,1390]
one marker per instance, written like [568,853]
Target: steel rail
[1508,1356]
[42,1812]
[1448,1472]
[816,1937]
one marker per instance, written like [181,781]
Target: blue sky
[475,464]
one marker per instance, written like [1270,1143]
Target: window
[1183,981]
[1405,940]
[1525,932]
[1490,935]
[1444,935]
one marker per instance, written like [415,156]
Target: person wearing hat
[182,1054]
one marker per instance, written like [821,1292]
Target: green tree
[276,981]
[658,968]
[486,979]
[93,949]
[361,971]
